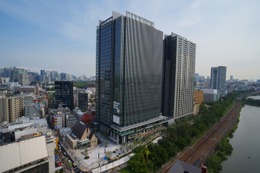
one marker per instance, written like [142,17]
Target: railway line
[204,147]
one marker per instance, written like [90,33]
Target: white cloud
[226,32]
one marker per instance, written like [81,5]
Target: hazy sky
[60,35]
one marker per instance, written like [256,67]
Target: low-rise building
[27,146]
[25,155]
[211,95]
[78,113]
[58,121]
[81,137]
[70,120]
[58,117]
[26,89]
[182,167]
[198,98]
[63,132]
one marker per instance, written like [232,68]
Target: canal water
[245,157]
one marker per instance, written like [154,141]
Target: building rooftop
[79,129]
[21,153]
[182,167]
[27,87]
[64,131]
[210,91]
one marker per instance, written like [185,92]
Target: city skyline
[60,35]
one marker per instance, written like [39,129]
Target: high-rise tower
[129,75]
[178,80]
[218,79]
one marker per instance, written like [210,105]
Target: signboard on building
[116,119]
[116,107]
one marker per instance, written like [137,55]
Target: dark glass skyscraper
[64,94]
[178,80]
[218,79]
[83,101]
[129,76]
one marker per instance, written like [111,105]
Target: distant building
[62,117]
[78,113]
[218,79]
[178,79]
[15,74]
[210,95]
[71,120]
[64,94]
[32,111]
[54,75]
[231,78]
[83,101]
[26,89]
[58,121]
[24,79]
[198,98]
[64,77]
[4,80]
[33,76]
[76,92]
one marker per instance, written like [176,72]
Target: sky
[61,34]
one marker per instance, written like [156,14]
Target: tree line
[251,102]
[178,136]
[223,149]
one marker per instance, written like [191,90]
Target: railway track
[204,147]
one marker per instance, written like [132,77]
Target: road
[204,147]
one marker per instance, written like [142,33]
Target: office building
[129,75]
[218,79]
[64,94]
[54,75]
[24,79]
[83,101]
[178,79]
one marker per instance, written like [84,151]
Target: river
[245,157]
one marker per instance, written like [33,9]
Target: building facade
[178,76]
[198,98]
[129,74]
[218,79]
[83,101]
[24,79]
[11,108]
[210,95]
[64,94]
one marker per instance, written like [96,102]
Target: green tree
[137,164]
[158,155]
[181,143]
